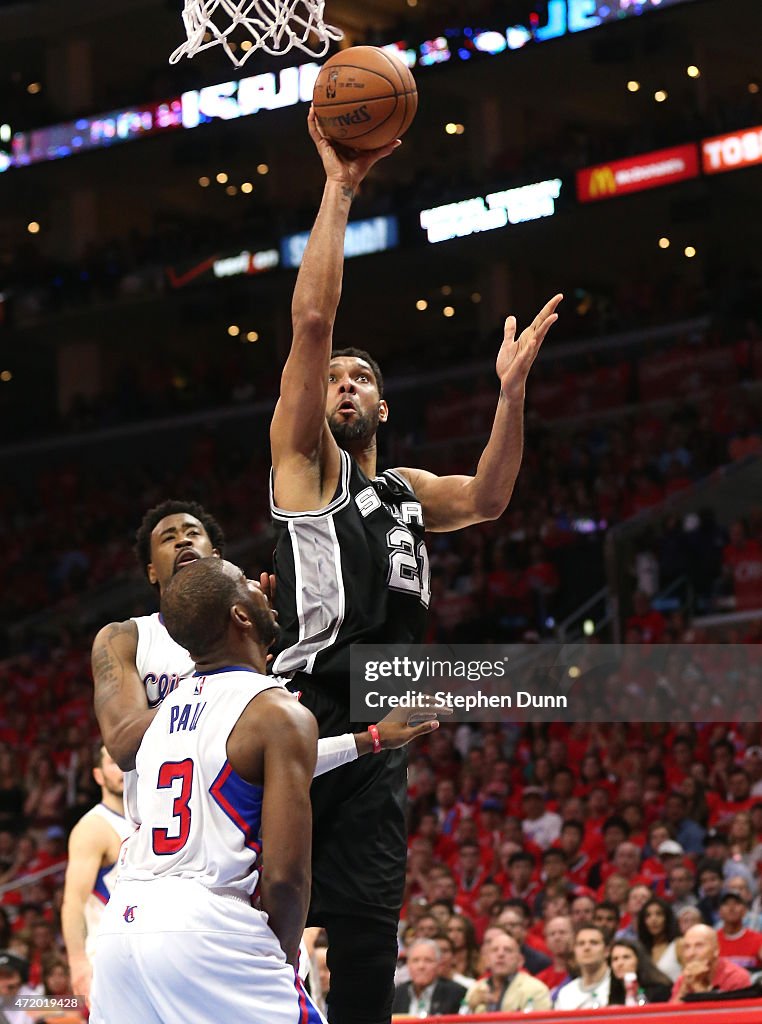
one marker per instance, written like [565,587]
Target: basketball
[365,98]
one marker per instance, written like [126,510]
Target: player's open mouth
[185,558]
[347,407]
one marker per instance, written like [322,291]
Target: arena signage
[497,210]
[290,86]
[362,238]
[94,132]
[733,151]
[222,267]
[638,173]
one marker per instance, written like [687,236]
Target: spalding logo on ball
[365,98]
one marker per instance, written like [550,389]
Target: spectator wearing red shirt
[483,908]
[740,945]
[520,883]
[559,938]
[578,863]
[742,564]
[561,788]
[704,970]
[739,798]
[649,623]
[469,873]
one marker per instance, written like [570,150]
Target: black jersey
[356,571]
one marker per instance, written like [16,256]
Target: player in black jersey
[351,566]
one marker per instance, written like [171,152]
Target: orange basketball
[364,98]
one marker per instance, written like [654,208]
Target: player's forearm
[493,483]
[318,285]
[74,929]
[285,902]
[122,736]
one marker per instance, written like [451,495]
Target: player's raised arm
[454,502]
[120,699]
[305,456]
[288,739]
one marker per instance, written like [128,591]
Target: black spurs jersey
[356,571]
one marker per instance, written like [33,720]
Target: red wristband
[373,730]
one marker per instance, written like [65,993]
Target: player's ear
[216,553]
[153,579]
[240,617]
[383,411]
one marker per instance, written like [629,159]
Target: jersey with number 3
[198,818]
[356,571]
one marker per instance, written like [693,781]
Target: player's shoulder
[123,633]
[92,828]
[281,714]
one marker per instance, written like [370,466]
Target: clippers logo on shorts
[129,914]
[158,686]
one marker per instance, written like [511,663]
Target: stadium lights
[588,627]
[262,169]
[690,252]
[476,298]
[446,289]
[234,330]
[633,86]
[664,243]
[246,45]
[692,71]
[247,187]
[5,133]
[449,311]
[6,376]
[660,95]
[421,305]
[33,227]
[232,190]
[34,88]
[753,88]
[204,182]
[451,128]
[252,336]
[222,178]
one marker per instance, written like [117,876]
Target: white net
[274,26]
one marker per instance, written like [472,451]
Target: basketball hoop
[274,26]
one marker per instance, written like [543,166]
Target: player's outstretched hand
[266,584]
[344,165]
[403,725]
[516,355]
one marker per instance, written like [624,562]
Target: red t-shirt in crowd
[552,977]
[746,564]
[742,949]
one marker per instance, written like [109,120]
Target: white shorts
[171,951]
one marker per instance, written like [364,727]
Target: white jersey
[106,877]
[199,819]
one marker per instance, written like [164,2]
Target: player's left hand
[403,725]
[266,583]
[516,355]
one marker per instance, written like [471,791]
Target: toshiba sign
[729,152]
[637,173]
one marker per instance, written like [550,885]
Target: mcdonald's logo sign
[637,173]
[602,182]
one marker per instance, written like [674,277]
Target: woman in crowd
[659,932]
[460,931]
[744,847]
[629,957]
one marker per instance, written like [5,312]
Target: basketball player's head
[214,612]
[107,773]
[355,401]
[174,534]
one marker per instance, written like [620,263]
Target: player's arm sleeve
[290,753]
[334,751]
[119,696]
[86,848]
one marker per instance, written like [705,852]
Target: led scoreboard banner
[548,19]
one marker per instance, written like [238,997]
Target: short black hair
[575,824]
[611,907]
[173,507]
[360,353]
[196,605]
[519,857]
[616,821]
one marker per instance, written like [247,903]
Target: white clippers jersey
[106,877]
[199,819]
